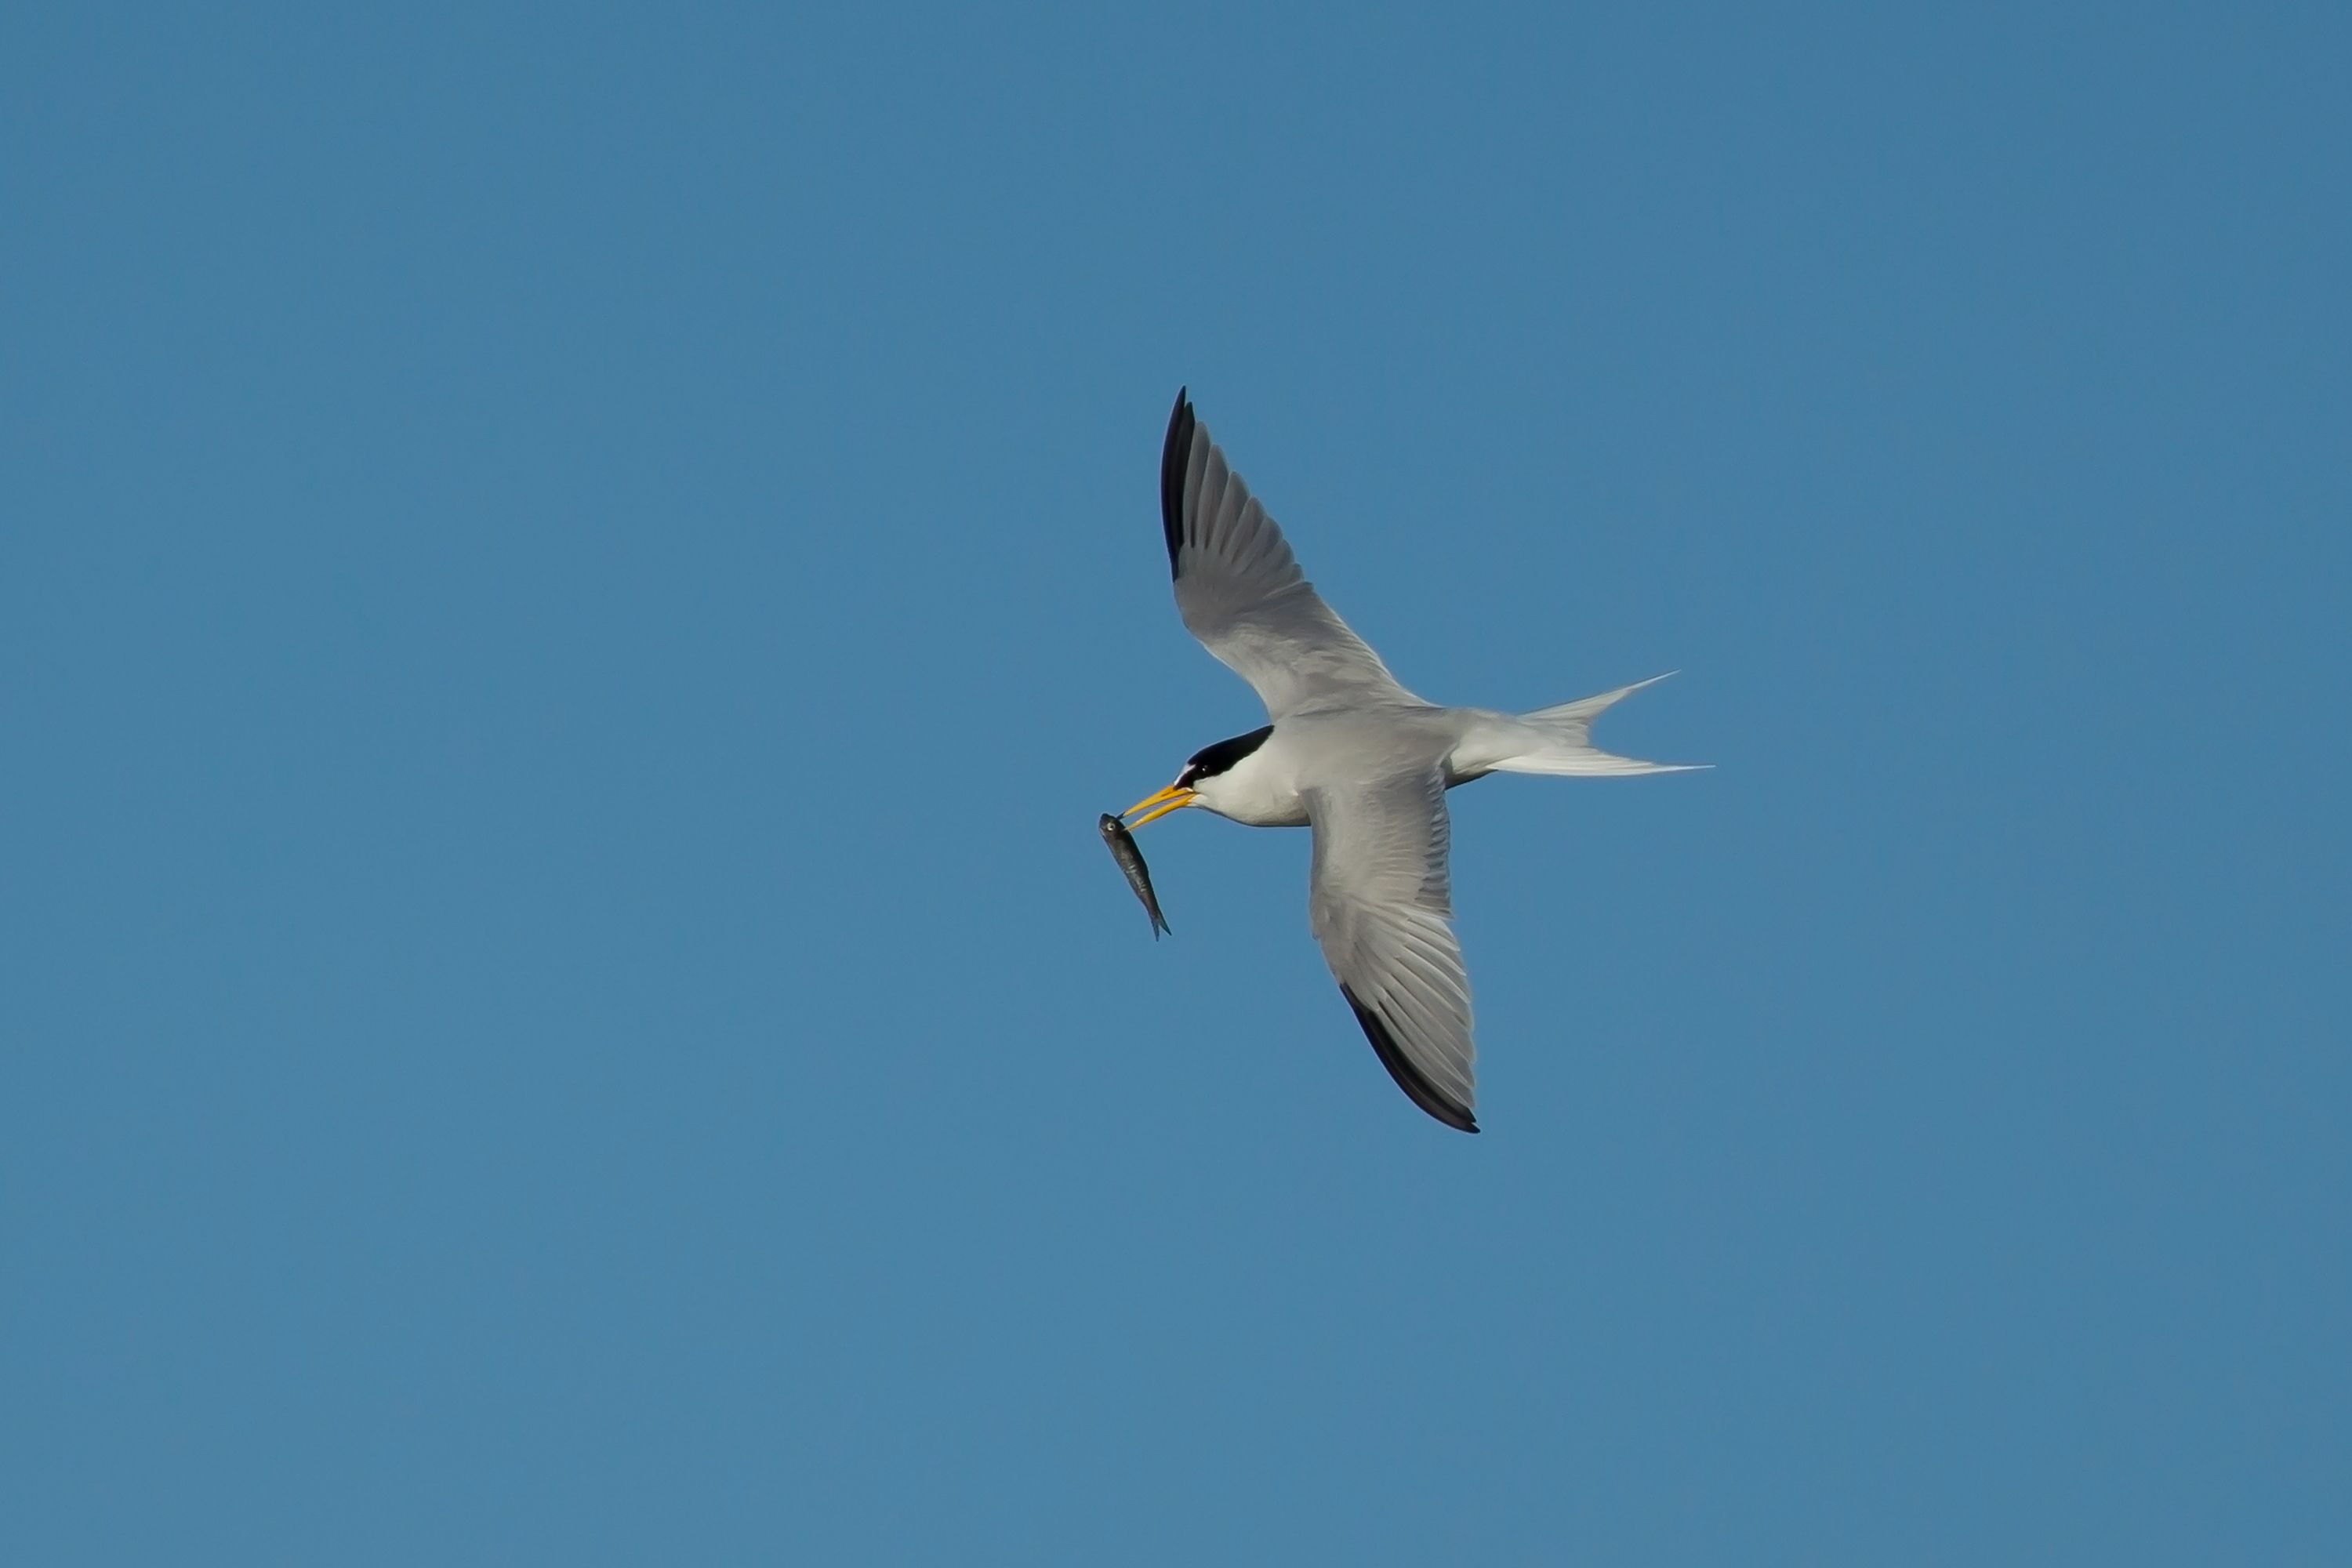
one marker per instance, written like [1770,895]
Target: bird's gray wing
[1379,902]
[1240,589]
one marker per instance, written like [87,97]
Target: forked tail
[1552,741]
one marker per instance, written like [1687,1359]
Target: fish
[1138,875]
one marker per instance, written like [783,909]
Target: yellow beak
[1175,798]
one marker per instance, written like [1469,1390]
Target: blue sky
[572,587]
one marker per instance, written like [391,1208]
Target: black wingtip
[1410,1078]
[1173,455]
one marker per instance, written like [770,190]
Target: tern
[1352,754]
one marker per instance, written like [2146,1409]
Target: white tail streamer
[1555,741]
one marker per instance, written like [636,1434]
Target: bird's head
[1204,774]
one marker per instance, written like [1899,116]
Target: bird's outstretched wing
[1377,900]
[1240,589]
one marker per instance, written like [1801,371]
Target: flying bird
[1350,753]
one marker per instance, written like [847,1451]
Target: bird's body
[1313,750]
[1354,755]
[1268,787]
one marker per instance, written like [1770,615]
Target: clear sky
[573,580]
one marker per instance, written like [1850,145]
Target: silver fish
[1138,877]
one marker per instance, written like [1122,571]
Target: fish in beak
[1138,875]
